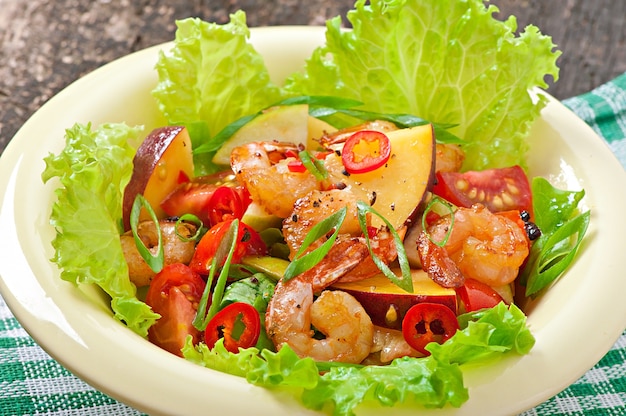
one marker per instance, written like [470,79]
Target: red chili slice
[428,322]
[365,151]
[238,323]
[225,204]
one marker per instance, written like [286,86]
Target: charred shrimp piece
[175,247]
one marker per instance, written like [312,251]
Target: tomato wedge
[499,189]
[365,151]
[238,323]
[477,295]
[249,242]
[174,294]
[428,322]
[197,197]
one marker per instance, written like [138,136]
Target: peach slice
[386,303]
[396,189]
[162,160]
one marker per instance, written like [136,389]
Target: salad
[215,262]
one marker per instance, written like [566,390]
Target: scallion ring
[436,200]
[313,165]
[406,281]
[156,261]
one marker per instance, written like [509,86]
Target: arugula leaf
[94,168]
[562,231]
[447,61]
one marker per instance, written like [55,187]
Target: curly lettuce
[93,169]
[432,382]
[447,61]
[210,78]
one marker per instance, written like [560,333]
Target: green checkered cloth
[32,383]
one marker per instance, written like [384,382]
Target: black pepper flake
[316,204]
[532,230]
[393,206]
[373,198]
[525,216]
[338,152]
[294,218]
[341,186]
[345,172]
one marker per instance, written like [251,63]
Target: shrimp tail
[437,264]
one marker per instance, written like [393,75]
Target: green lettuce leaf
[433,382]
[93,170]
[447,61]
[210,78]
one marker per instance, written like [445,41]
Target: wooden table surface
[45,45]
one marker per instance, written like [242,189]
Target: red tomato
[365,151]
[238,323]
[499,189]
[477,295]
[194,197]
[428,322]
[174,294]
[249,243]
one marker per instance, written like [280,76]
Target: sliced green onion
[218,140]
[154,261]
[228,243]
[309,260]
[432,204]
[401,120]
[195,221]
[406,281]
[313,165]
[324,106]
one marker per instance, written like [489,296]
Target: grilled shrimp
[175,250]
[390,344]
[318,205]
[293,312]
[315,207]
[263,168]
[483,246]
[448,157]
